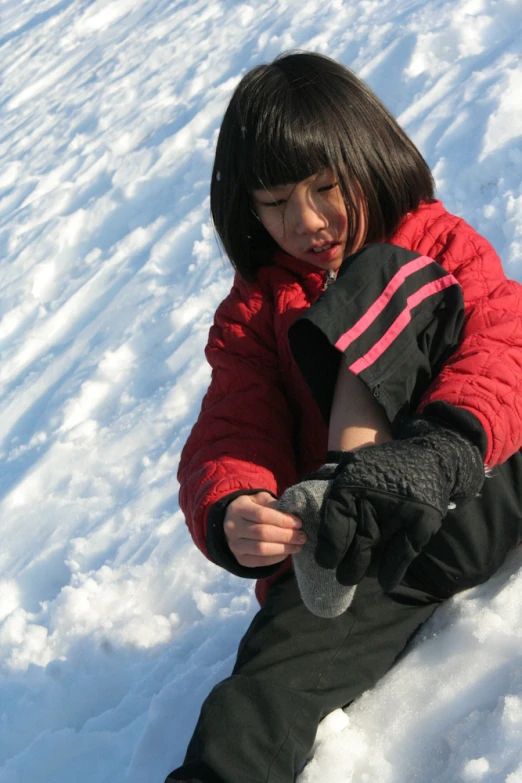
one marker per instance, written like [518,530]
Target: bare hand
[258,534]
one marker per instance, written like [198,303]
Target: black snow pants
[293,668]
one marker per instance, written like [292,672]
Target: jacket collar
[298,268]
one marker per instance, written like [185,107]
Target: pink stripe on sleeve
[401,322]
[378,306]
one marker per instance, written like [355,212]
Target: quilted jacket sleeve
[484,375]
[242,439]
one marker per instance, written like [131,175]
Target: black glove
[395,495]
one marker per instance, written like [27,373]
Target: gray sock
[322,594]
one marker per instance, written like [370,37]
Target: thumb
[336,531]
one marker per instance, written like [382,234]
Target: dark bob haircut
[295,117]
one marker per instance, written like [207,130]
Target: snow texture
[113,627]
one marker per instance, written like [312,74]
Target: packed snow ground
[112,626]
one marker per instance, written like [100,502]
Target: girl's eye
[274,203]
[328,187]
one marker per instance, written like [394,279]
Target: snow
[113,627]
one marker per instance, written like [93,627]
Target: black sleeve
[217,545]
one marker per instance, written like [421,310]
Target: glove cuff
[460,459]
[460,419]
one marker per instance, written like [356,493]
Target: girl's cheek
[273,225]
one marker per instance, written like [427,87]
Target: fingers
[252,561]
[420,523]
[353,568]
[263,533]
[255,553]
[261,509]
[357,559]
[395,561]
[244,548]
[258,534]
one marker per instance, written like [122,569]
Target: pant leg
[292,669]
[474,539]
[392,316]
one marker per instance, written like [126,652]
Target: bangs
[286,139]
[285,149]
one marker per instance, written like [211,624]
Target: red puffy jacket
[259,426]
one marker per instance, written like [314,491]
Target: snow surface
[113,627]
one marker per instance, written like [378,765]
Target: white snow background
[113,627]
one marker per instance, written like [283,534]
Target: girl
[405,372]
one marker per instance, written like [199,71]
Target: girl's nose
[308,218]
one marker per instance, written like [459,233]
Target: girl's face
[307,219]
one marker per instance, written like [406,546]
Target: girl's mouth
[322,248]
[325,253]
